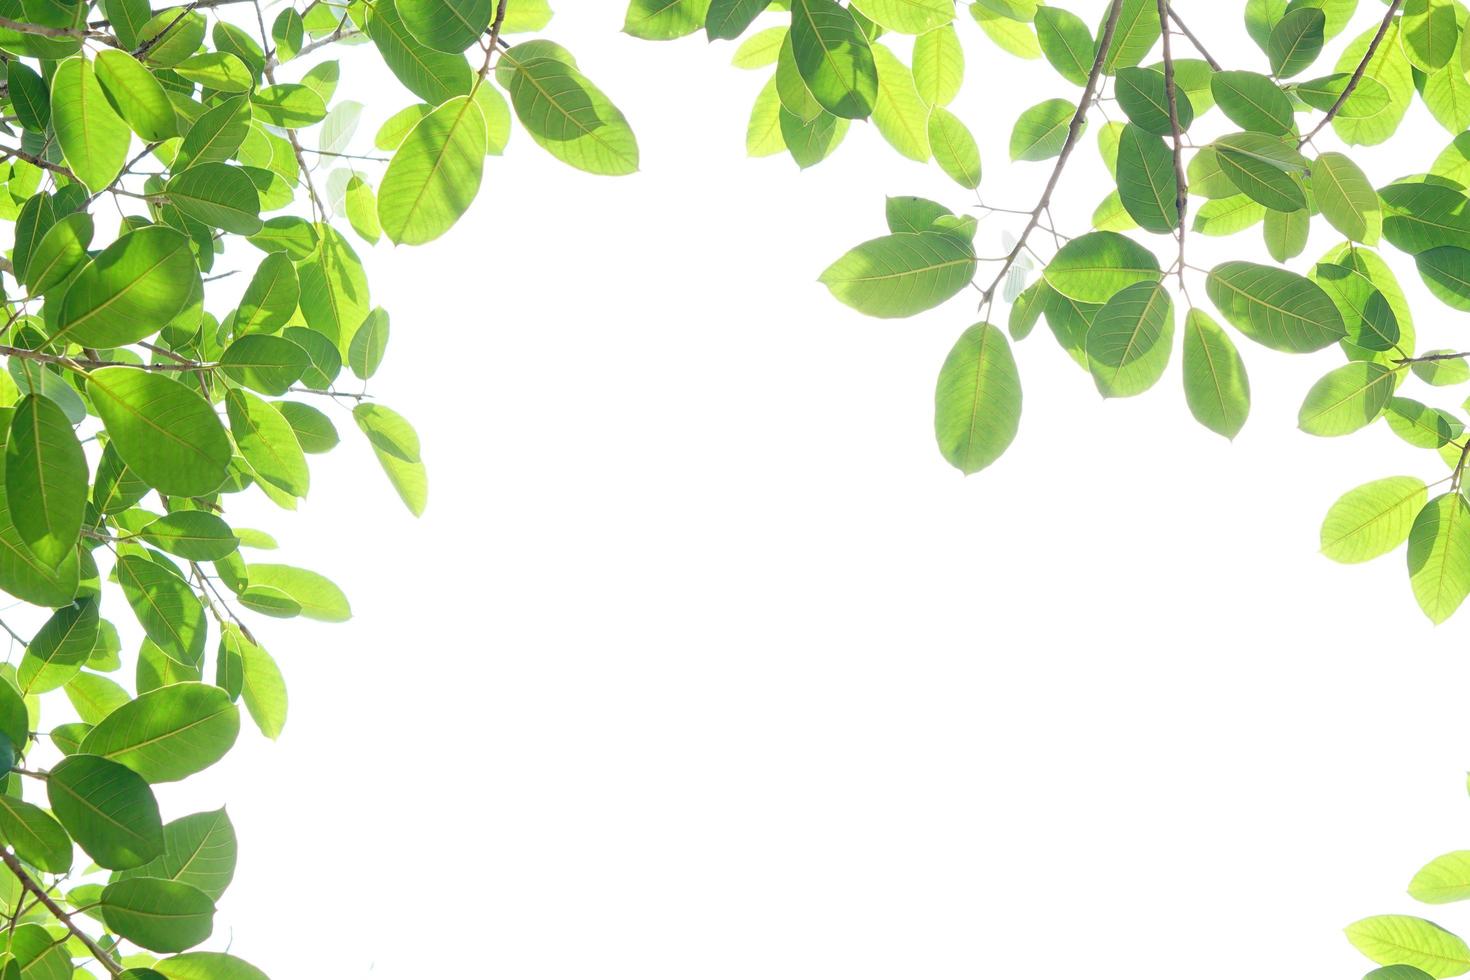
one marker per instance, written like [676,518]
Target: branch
[142,50]
[21,27]
[1074,130]
[88,362]
[1181,182]
[1192,39]
[1425,358]
[29,884]
[1347,90]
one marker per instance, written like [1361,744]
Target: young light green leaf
[434,175]
[977,402]
[901,275]
[1215,382]
[1439,563]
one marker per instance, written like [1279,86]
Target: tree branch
[1181,182]
[1074,130]
[30,884]
[1347,90]
[1192,40]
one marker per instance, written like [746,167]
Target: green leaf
[1041,131]
[433,76]
[164,916]
[939,65]
[198,850]
[315,594]
[168,734]
[1066,42]
[207,966]
[1409,940]
[59,253]
[434,175]
[34,835]
[369,344]
[1253,102]
[263,688]
[1286,233]
[46,480]
[264,362]
[1451,370]
[289,106]
[1445,879]
[1142,95]
[1421,216]
[568,116]
[727,19]
[834,58]
[1094,266]
[899,114]
[129,290]
[1421,426]
[908,16]
[1346,198]
[136,95]
[166,607]
[1439,568]
[954,147]
[977,402]
[1146,181]
[1446,271]
[1136,34]
[314,431]
[1274,307]
[91,136]
[901,275]
[760,49]
[1215,382]
[362,206]
[218,195]
[1429,33]
[217,135]
[1296,40]
[446,25]
[29,96]
[267,442]
[107,809]
[1373,519]
[217,70]
[192,534]
[59,648]
[1346,399]
[662,20]
[166,434]
[1129,340]
[1264,169]
[1013,36]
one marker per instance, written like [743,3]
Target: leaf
[264,362]
[267,442]
[168,734]
[1429,33]
[1296,40]
[834,58]
[207,966]
[939,65]
[908,16]
[662,20]
[1092,267]
[1253,102]
[1066,42]
[1388,68]
[264,689]
[129,290]
[198,850]
[1445,879]
[1012,36]
[1421,216]
[164,916]
[1373,519]
[1411,941]
[368,345]
[1286,233]
[1041,131]
[433,76]
[569,117]
[1129,340]
[1215,382]
[192,534]
[1146,180]
[59,648]
[899,114]
[362,207]
[1451,370]
[434,175]
[166,434]
[446,25]
[727,19]
[1446,271]
[290,106]
[977,402]
[218,195]
[314,431]
[760,49]
[1143,96]
[1421,426]
[1439,561]
[1346,198]
[59,253]
[136,95]
[1136,34]
[316,595]
[901,275]
[166,607]
[91,136]
[107,809]
[954,147]
[46,479]
[1263,168]
[34,835]
[1274,307]
[1346,399]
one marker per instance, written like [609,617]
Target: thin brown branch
[1192,39]
[1347,90]
[1181,181]
[112,966]
[1074,130]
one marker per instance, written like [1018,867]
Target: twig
[29,884]
[1181,182]
[1192,40]
[1347,90]
[1074,130]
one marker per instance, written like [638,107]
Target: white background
[703,663]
